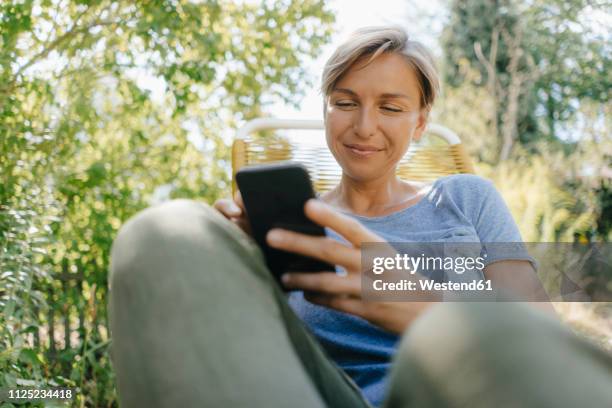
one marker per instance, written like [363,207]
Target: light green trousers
[197,321]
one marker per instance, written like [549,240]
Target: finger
[244,224]
[348,227]
[319,247]
[323,282]
[344,304]
[227,207]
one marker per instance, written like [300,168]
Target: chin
[361,172]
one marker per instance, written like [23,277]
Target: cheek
[399,130]
[336,123]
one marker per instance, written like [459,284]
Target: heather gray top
[458,208]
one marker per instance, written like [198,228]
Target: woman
[198,320]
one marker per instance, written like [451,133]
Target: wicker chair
[438,153]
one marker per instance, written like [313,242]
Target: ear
[421,125]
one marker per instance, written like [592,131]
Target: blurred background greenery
[85,143]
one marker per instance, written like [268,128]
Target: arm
[518,276]
[509,264]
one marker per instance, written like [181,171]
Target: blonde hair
[374,41]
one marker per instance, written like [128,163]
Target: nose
[365,123]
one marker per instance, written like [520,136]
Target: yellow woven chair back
[439,152]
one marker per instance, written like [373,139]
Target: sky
[352,14]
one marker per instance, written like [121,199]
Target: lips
[362,150]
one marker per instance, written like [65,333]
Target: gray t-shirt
[458,208]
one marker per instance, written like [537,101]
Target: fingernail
[314,204]
[274,236]
[285,278]
[235,209]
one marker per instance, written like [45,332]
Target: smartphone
[274,196]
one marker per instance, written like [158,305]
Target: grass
[592,321]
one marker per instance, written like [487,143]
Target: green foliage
[554,195]
[543,206]
[456,109]
[524,77]
[562,59]
[105,108]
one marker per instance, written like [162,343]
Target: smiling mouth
[361,150]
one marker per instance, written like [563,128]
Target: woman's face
[372,115]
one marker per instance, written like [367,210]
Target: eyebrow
[385,95]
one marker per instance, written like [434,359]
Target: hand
[329,289]
[234,211]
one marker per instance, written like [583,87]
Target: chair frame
[258,124]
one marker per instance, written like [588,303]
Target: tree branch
[493,86]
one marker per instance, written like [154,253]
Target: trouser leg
[197,320]
[497,355]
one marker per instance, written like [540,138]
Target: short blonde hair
[374,41]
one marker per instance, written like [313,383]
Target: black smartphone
[274,196]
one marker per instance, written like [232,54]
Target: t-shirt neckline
[395,214]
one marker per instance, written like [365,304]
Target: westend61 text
[429,285]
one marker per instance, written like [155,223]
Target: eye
[345,104]
[391,108]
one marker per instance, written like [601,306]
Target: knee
[168,219]
[159,233]
[459,330]
[465,323]
[160,224]
[447,354]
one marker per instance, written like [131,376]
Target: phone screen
[274,196]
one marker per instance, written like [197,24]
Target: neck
[369,198]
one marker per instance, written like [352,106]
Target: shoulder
[465,181]
[465,187]
[475,196]
[482,204]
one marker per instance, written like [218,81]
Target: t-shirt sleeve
[492,219]
[495,226]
